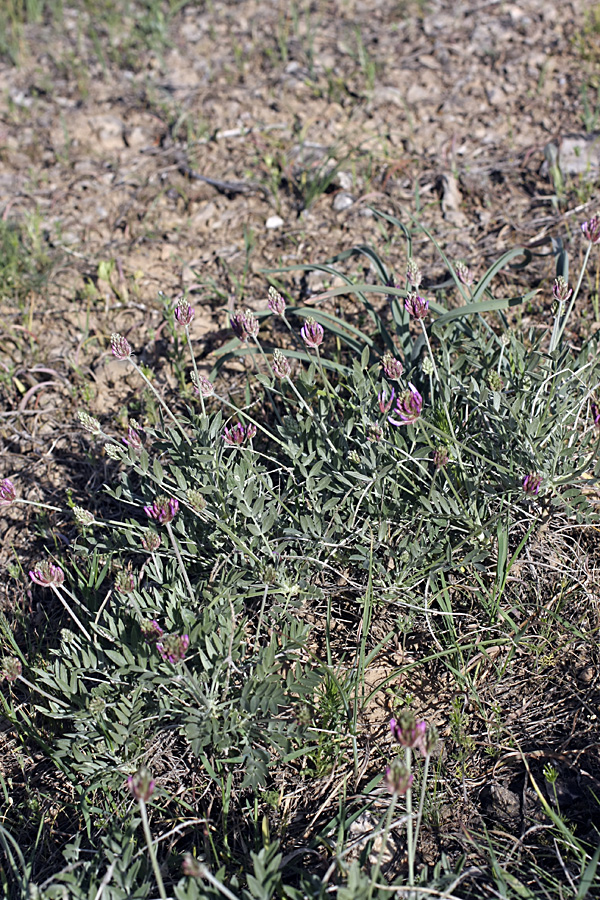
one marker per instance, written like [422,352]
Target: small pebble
[274,222]
[342,201]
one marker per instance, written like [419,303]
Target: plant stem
[310,412]
[326,383]
[71,613]
[409,825]
[565,318]
[153,860]
[386,829]
[422,798]
[175,544]
[160,399]
[189,343]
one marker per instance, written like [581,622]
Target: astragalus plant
[385,457]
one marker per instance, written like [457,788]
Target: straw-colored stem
[150,845]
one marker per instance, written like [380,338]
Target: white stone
[274,222]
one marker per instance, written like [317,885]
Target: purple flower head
[392,367]
[532,483]
[385,402]
[237,434]
[464,274]
[11,668]
[133,440]
[163,509]
[312,333]
[172,647]
[124,582]
[408,407]
[244,324]
[141,784]
[8,493]
[151,630]
[281,366]
[398,778]
[417,307]
[47,574]
[413,273]
[202,385]
[561,290]
[184,313]
[276,302]
[150,540]
[591,229]
[595,410]
[407,731]
[121,347]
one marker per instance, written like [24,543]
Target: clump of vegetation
[197,673]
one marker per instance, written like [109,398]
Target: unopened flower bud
[440,457]
[89,422]
[398,778]
[172,647]
[82,515]
[150,540]
[124,582]
[464,274]
[413,273]
[8,493]
[120,346]
[192,867]
[427,366]
[561,290]
[202,385]
[392,367]
[11,668]
[532,483]
[430,741]
[281,366]
[276,302]
[184,313]
[196,500]
[133,440]
[494,380]
[417,307]
[114,451]
[151,630]
[141,784]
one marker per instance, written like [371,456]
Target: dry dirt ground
[310,113]
[303,116]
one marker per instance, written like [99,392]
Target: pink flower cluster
[239,434]
[163,509]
